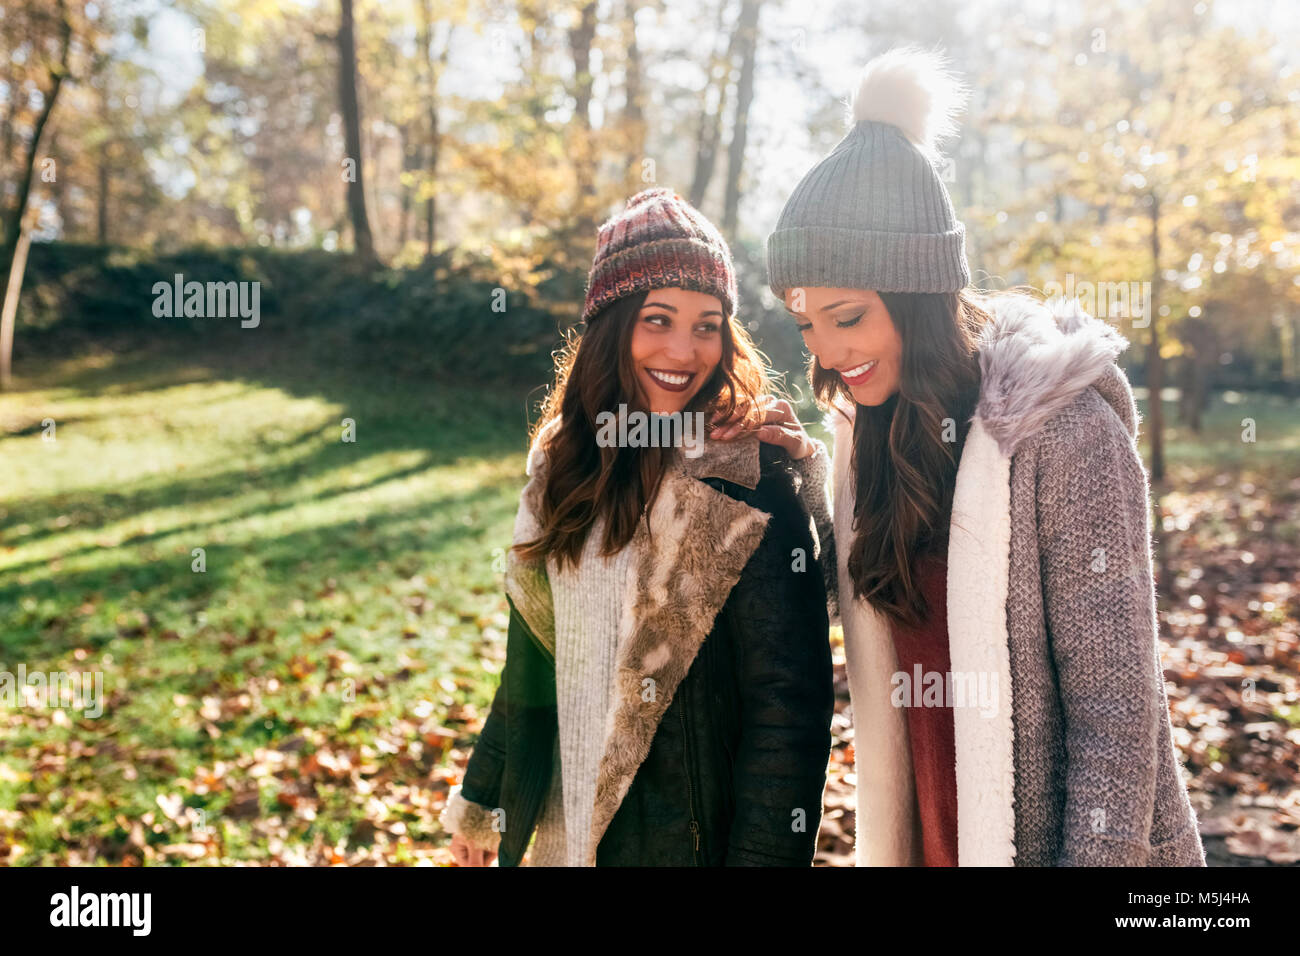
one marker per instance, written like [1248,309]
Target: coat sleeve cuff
[815,467]
[813,471]
[471,820]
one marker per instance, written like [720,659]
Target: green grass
[350,591]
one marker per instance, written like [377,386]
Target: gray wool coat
[1064,753]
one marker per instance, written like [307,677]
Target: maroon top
[934,754]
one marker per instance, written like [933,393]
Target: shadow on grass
[392,414]
[398,538]
[443,424]
[123,506]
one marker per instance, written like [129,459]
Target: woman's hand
[780,427]
[466,855]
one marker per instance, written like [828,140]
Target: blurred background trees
[1126,143]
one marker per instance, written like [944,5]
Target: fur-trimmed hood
[1035,359]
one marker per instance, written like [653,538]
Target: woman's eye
[708,328]
[658,320]
[849,323]
[803,328]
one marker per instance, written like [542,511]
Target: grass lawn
[309,696]
[289,702]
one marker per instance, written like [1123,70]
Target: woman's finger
[776,435]
[781,410]
[793,439]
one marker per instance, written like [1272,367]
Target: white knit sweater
[588,604]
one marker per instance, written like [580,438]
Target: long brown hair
[904,470]
[584,481]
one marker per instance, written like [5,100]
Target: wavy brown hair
[594,373]
[903,470]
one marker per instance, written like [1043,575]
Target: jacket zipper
[690,793]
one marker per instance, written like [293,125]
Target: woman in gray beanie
[990,523]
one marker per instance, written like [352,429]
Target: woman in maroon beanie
[666,698]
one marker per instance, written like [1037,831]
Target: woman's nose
[680,348]
[826,353]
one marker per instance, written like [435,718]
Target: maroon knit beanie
[660,241]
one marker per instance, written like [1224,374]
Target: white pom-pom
[912,89]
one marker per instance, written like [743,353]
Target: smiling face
[676,345]
[850,333]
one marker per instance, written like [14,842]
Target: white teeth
[670,379]
[860,370]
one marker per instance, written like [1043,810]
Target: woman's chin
[668,404]
[871,394]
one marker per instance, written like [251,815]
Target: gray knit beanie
[874,214]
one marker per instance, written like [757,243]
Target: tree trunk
[356,195]
[1286,344]
[431,203]
[101,201]
[633,113]
[710,128]
[1155,364]
[748,44]
[410,161]
[16,238]
[581,38]
[7,143]
[433,67]
[9,313]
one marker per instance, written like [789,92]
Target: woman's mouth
[854,377]
[671,381]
